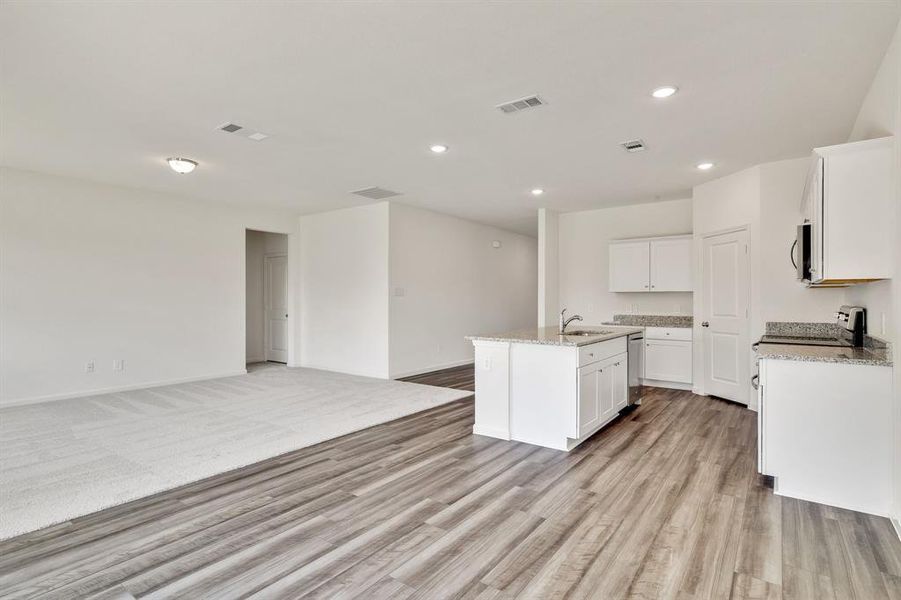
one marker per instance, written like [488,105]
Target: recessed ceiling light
[537,192]
[705,166]
[438,148]
[665,91]
[182,166]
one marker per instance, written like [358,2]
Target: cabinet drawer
[668,333]
[595,352]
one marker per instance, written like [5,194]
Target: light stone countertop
[830,354]
[681,321]
[550,336]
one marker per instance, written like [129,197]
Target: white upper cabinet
[629,262]
[660,264]
[671,265]
[847,199]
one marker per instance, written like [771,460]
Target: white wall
[548,267]
[726,203]
[253,309]
[259,244]
[344,290]
[584,259]
[99,272]
[782,298]
[447,282]
[880,115]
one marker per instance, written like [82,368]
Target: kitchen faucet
[564,321]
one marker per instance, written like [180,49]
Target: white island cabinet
[550,390]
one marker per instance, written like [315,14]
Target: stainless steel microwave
[800,252]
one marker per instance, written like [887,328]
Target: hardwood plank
[663,503]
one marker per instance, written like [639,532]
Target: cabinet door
[620,384]
[666,360]
[589,407]
[814,202]
[629,266]
[605,389]
[671,262]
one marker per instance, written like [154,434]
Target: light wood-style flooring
[663,503]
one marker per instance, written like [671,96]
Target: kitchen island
[543,388]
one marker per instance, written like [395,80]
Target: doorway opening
[266,278]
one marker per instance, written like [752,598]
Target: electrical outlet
[486,364]
[438,348]
[119,364]
[89,366]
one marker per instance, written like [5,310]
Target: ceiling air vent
[520,105]
[375,193]
[633,146]
[230,127]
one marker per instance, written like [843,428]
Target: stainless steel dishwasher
[636,366]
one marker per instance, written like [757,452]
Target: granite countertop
[550,336]
[684,321]
[830,354]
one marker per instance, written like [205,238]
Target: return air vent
[375,193]
[241,131]
[634,146]
[520,105]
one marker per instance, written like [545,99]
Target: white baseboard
[672,385]
[491,432]
[450,365]
[781,491]
[114,389]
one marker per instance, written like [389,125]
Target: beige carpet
[67,458]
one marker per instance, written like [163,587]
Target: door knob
[705,324]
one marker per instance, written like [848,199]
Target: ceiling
[353,95]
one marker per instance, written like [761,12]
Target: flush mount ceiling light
[705,166]
[182,166]
[537,192]
[664,91]
[438,148]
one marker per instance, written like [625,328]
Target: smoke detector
[515,106]
[375,193]
[634,145]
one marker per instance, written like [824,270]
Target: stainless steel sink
[587,332]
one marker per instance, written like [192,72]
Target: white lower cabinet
[603,391]
[589,413]
[825,432]
[667,360]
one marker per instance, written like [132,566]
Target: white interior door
[725,285]
[275,288]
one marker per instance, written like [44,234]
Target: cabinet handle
[591,354]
